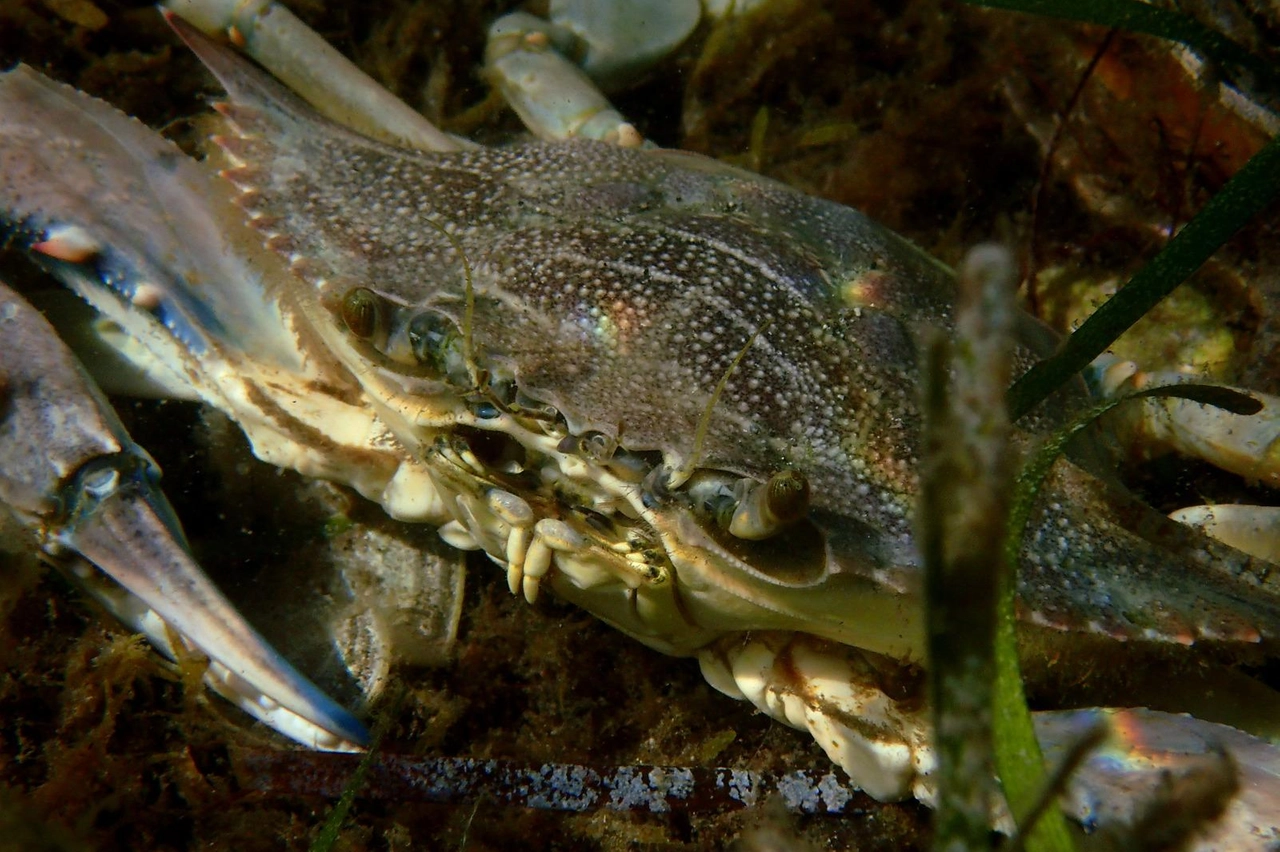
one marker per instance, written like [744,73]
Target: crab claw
[125,230]
[69,472]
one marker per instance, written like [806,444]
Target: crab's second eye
[436,343]
[361,312]
[431,337]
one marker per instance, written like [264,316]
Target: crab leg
[310,66]
[874,723]
[838,695]
[70,474]
[1252,529]
[1248,445]
[528,59]
[553,97]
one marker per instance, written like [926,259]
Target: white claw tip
[68,242]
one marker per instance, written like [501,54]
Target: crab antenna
[469,296]
[681,474]
[469,310]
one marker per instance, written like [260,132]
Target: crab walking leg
[1248,445]
[1197,785]
[1253,529]
[554,71]
[875,726]
[525,57]
[620,40]
[837,694]
[69,472]
[310,66]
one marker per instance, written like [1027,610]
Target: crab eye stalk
[362,312]
[767,508]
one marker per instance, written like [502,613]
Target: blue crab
[567,426]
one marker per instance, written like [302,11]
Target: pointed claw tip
[69,243]
[348,731]
[179,25]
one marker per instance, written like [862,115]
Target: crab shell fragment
[520,344]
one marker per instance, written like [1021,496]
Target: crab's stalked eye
[765,528]
[766,508]
[362,312]
[745,508]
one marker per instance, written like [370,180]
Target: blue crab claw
[69,472]
[195,306]
[130,231]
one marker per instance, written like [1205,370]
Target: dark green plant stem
[1047,797]
[328,835]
